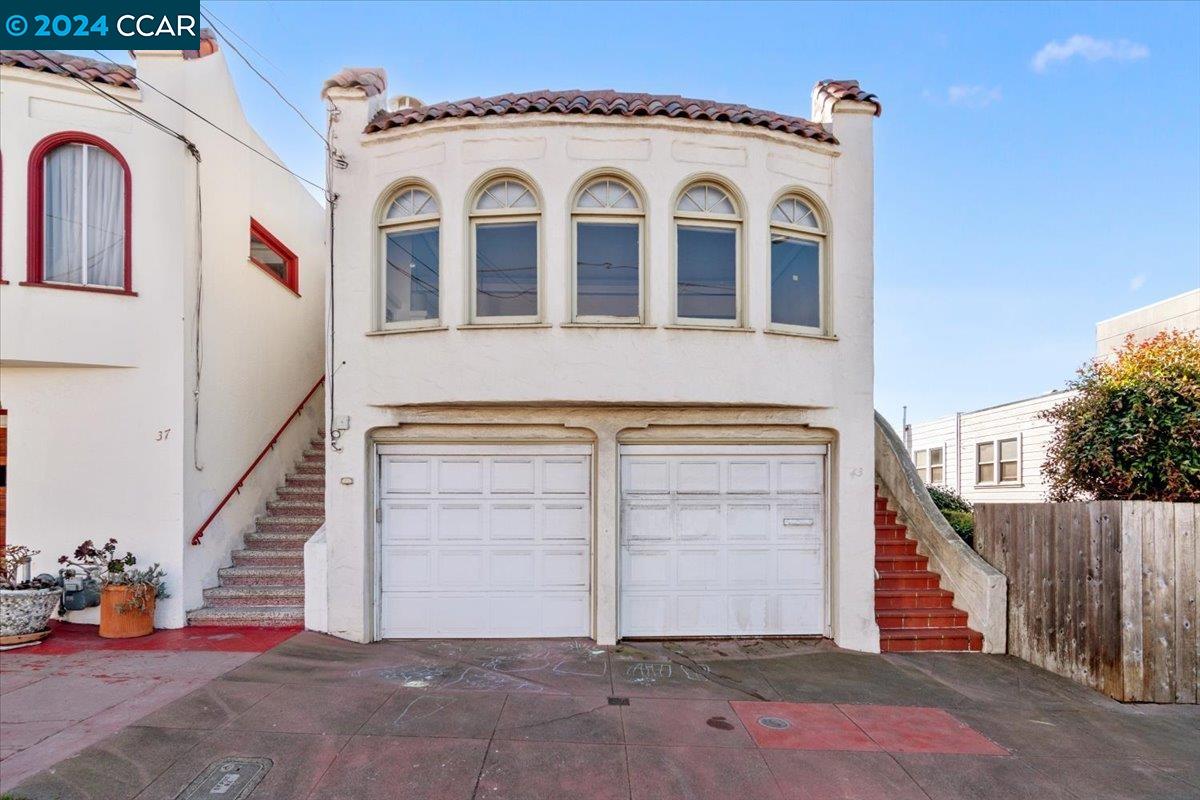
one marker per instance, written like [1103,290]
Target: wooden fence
[1105,593]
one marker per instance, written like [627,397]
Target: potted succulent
[129,594]
[26,604]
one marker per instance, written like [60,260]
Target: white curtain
[63,215]
[106,219]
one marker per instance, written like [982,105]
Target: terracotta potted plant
[26,604]
[129,594]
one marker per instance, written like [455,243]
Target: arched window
[504,234]
[410,273]
[79,237]
[707,245]
[608,218]
[797,273]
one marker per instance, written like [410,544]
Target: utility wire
[204,13]
[206,120]
[243,40]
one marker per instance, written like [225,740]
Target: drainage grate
[618,701]
[229,779]
[774,723]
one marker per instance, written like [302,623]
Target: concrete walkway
[316,717]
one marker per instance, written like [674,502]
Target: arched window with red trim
[79,215]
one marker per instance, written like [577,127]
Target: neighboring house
[996,454]
[154,334]
[601,365]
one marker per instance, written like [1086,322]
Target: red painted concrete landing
[70,637]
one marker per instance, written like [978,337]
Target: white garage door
[489,542]
[722,541]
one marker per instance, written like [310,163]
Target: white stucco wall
[547,374]
[94,382]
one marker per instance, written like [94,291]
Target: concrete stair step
[262,575]
[277,540]
[271,595]
[887,599]
[302,491]
[925,640]
[914,618]
[891,534]
[303,504]
[906,579]
[314,454]
[311,468]
[895,547]
[264,616]
[901,563]
[885,517]
[288,524]
[266,557]
[306,479]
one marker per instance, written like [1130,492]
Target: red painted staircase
[265,584]
[913,612]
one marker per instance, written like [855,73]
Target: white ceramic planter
[25,611]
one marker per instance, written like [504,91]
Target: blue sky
[1019,198]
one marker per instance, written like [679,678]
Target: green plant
[963,523]
[103,564]
[946,499]
[1132,430]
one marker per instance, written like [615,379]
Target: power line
[212,124]
[206,15]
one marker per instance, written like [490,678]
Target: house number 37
[163,435]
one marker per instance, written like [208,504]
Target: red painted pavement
[811,726]
[70,637]
[905,729]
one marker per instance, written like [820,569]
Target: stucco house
[161,312]
[600,365]
[995,454]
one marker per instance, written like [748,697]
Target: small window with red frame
[271,256]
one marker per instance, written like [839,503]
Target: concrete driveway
[316,717]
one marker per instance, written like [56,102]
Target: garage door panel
[698,567]
[513,476]
[460,522]
[460,476]
[698,477]
[565,522]
[747,559]
[565,475]
[699,523]
[406,476]
[801,476]
[472,546]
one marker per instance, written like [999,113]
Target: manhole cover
[775,723]
[228,779]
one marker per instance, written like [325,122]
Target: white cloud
[973,96]
[1089,49]
[1137,282]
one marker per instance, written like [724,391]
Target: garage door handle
[797,521]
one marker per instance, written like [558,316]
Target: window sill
[641,325]
[727,328]
[73,288]
[492,326]
[826,337]
[285,284]
[1006,485]
[413,329]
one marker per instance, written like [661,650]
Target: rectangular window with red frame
[272,257]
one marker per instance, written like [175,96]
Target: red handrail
[199,534]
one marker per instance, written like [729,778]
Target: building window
[271,256]
[707,242]
[998,462]
[797,274]
[79,219]
[930,464]
[411,262]
[504,233]
[608,218]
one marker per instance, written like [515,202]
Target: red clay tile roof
[605,102]
[850,90]
[372,80]
[89,69]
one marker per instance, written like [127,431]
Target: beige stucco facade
[103,391]
[597,384]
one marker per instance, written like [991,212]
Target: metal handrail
[199,534]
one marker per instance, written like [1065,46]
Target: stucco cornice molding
[64,83]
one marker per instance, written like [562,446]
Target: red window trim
[37,202]
[291,260]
